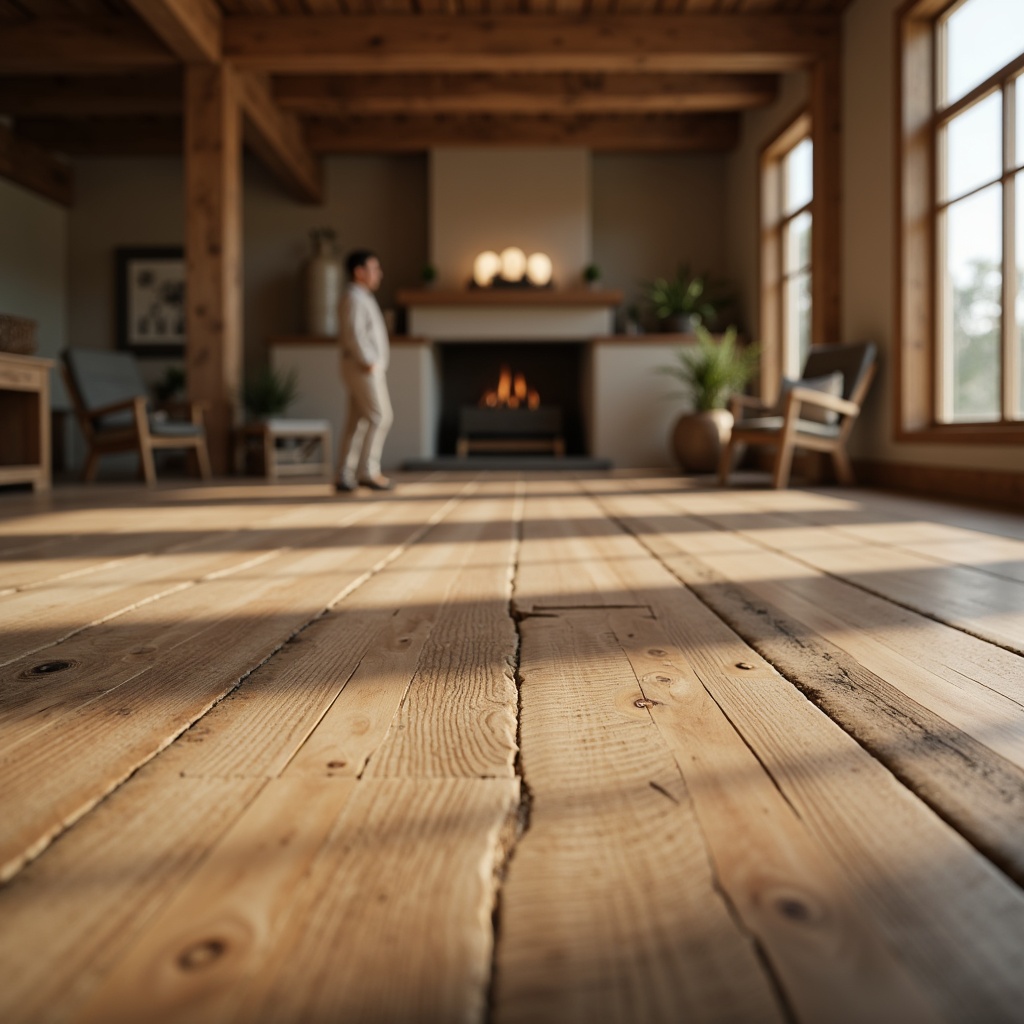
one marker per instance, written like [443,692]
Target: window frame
[919,346]
[774,220]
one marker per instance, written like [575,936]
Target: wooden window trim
[772,276]
[915,395]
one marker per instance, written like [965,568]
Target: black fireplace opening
[547,375]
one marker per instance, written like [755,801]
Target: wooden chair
[807,414]
[111,405]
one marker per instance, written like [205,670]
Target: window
[962,217]
[786,278]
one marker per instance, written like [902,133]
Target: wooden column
[826,118]
[213,251]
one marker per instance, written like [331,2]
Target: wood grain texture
[68,918]
[248,616]
[832,959]
[610,912]
[410,862]
[278,138]
[749,787]
[213,251]
[190,28]
[535,43]
[208,943]
[918,716]
[878,836]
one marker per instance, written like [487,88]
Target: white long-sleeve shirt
[362,333]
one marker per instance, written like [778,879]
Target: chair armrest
[810,396]
[188,408]
[127,403]
[737,403]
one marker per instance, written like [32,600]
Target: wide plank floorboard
[509,747]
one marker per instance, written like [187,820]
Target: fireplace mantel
[510,314]
[510,297]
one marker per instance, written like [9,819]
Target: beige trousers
[367,423]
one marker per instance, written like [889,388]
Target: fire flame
[512,392]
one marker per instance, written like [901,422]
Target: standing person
[363,338]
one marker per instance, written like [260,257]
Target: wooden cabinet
[25,420]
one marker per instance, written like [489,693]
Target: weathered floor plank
[59,768]
[252,827]
[958,772]
[610,911]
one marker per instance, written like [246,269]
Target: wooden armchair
[111,405]
[816,412]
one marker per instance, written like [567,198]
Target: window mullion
[1010,328]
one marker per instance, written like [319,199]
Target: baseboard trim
[991,487]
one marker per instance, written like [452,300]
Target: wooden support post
[826,120]
[213,250]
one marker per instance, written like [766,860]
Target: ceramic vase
[323,280]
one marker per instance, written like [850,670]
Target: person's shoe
[344,486]
[377,483]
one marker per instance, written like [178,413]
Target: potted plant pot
[699,437]
[709,371]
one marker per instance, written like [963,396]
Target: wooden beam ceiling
[29,165]
[348,44]
[403,82]
[545,94]
[681,133]
[153,136]
[277,138]
[190,28]
[394,95]
[81,46]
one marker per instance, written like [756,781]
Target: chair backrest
[854,362]
[103,378]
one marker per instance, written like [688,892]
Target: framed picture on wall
[151,300]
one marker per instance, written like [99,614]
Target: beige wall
[379,203]
[33,267]
[652,213]
[535,198]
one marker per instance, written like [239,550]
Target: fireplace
[482,411]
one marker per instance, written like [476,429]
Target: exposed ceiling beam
[276,136]
[191,28]
[94,96]
[380,95]
[32,167]
[682,133]
[349,44]
[653,134]
[72,46]
[160,94]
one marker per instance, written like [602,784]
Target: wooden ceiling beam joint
[191,29]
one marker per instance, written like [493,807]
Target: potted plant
[269,392]
[683,302]
[428,275]
[592,275]
[710,372]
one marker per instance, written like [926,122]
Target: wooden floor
[512,749]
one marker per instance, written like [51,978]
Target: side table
[25,420]
[284,447]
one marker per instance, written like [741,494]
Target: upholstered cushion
[773,425]
[830,384]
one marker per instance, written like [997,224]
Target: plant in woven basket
[269,392]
